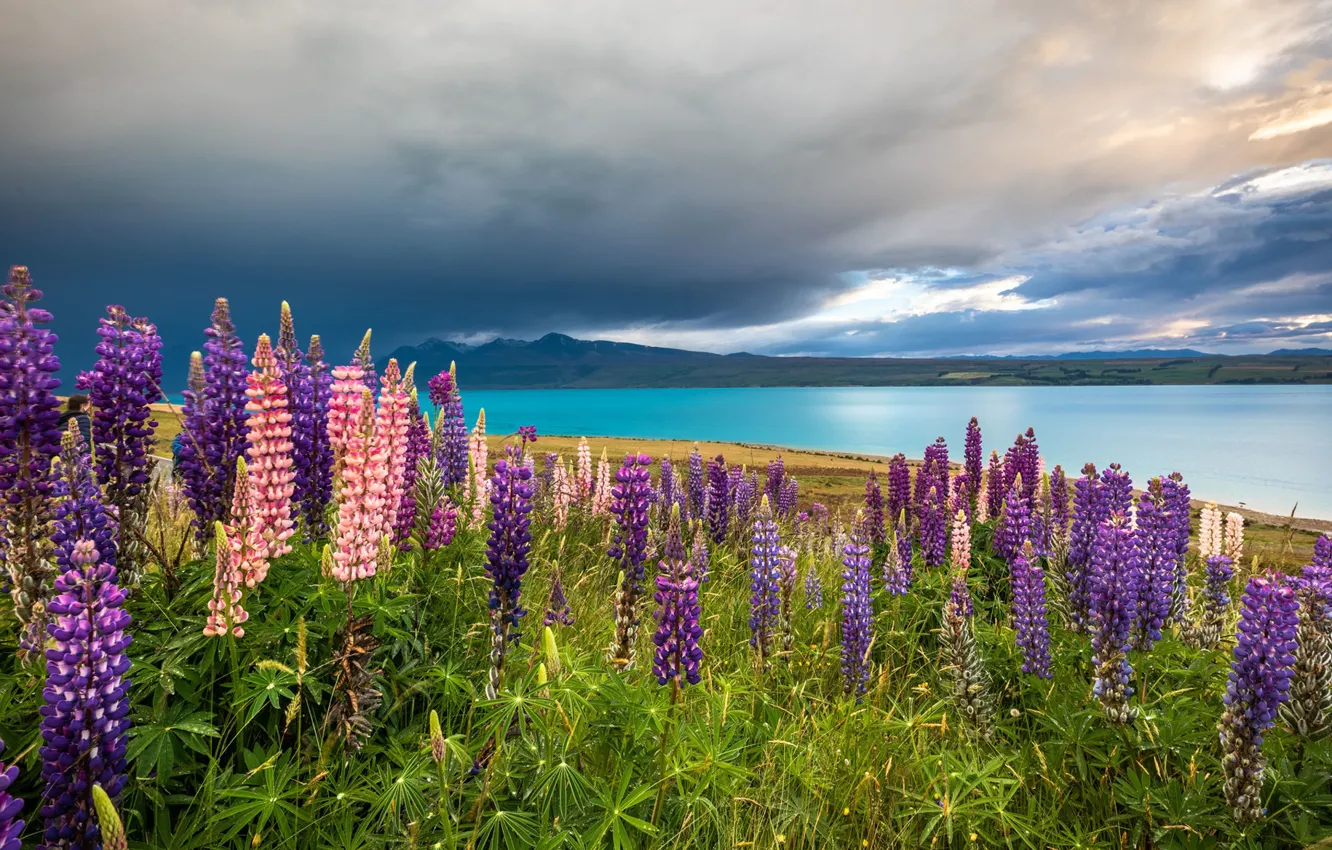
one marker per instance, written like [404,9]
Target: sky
[833,178]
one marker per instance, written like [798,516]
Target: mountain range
[560,361]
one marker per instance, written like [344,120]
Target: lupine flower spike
[629,506]
[1029,614]
[557,611]
[970,683]
[1308,713]
[857,610]
[1259,684]
[269,454]
[360,498]
[583,472]
[1113,585]
[506,555]
[678,631]
[10,807]
[764,582]
[479,459]
[1218,570]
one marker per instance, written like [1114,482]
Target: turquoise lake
[1264,447]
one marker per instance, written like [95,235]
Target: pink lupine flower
[961,541]
[562,491]
[1234,536]
[479,451]
[982,507]
[392,422]
[601,496]
[344,407]
[1209,532]
[241,560]
[269,453]
[583,473]
[360,499]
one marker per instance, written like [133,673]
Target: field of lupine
[317,633]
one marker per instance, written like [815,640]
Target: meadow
[340,625]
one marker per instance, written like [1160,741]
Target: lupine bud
[551,650]
[962,661]
[1029,614]
[108,820]
[857,611]
[438,746]
[1258,685]
[557,610]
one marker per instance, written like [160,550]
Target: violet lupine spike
[1115,566]
[960,556]
[506,556]
[699,555]
[80,513]
[764,582]
[222,436]
[441,527]
[1031,466]
[1014,528]
[813,588]
[29,442]
[697,485]
[719,500]
[1117,490]
[557,609]
[1156,547]
[772,487]
[1218,571]
[857,611]
[11,828]
[789,498]
[297,376]
[1322,551]
[786,561]
[1029,614]
[898,496]
[1177,506]
[934,527]
[629,506]
[973,459]
[269,453]
[318,491]
[447,399]
[933,471]
[666,484]
[1089,512]
[897,567]
[86,715]
[418,448]
[1056,530]
[961,498]
[1258,685]
[994,487]
[676,638]
[121,386]
[874,509]
[742,493]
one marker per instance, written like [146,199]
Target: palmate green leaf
[616,804]
[509,829]
[266,688]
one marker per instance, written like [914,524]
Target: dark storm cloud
[467,168]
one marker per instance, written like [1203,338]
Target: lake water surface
[1266,447]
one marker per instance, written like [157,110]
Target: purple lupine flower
[1056,530]
[994,487]
[934,527]
[557,610]
[788,498]
[776,479]
[629,505]
[813,588]
[80,514]
[121,386]
[959,596]
[1113,579]
[418,448]
[742,494]
[1177,508]
[298,377]
[1156,548]
[874,509]
[86,715]
[718,500]
[897,568]
[318,491]
[786,583]
[442,526]
[974,458]
[933,470]
[29,441]
[857,611]
[666,485]
[1218,570]
[698,554]
[764,582]
[1029,615]
[1089,512]
[10,826]
[1259,684]
[1029,465]
[447,399]
[1117,492]
[898,498]
[216,433]
[1322,551]
[506,555]
[677,612]
[1014,527]
[697,485]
